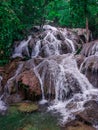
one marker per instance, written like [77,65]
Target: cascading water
[51,42]
[43,101]
[72,88]
[58,72]
[0,80]
[11,81]
[36,50]
[3,106]
[90,49]
[22,46]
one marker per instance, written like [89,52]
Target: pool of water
[15,120]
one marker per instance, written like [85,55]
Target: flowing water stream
[58,71]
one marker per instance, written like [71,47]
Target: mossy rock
[27,107]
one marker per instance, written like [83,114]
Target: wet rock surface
[90,113]
[90,48]
[90,64]
[14,98]
[77,125]
[29,80]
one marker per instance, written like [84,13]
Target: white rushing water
[36,50]
[72,88]
[3,106]
[43,100]
[22,46]
[94,49]
[11,81]
[0,80]
[50,43]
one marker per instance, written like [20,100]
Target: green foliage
[18,16]
[59,12]
[72,13]
[82,9]
[9,29]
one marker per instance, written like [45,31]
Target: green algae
[28,107]
[15,120]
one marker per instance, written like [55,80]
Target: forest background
[17,17]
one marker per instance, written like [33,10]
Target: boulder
[79,59]
[90,113]
[10,69]
[29,80]
[90,49]
[14,98]
[90,69]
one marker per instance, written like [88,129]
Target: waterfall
[90,49]
[74,103]
[10,81]
[0,80]
[43,101]
[36,50]
[58,73]
[48,43]
[72,88]
[71,44]
[19,49]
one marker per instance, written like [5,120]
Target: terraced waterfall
[52,59]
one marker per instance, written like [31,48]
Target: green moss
[28,107]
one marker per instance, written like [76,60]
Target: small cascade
[3,106]
[48,27]
[52,45]
[71,44]
[94,49]
[43,101]
[11,81]
[0,80]
[89,66]
[90,49]
[36,50]
[22,46]
[36,71]
[51,41]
